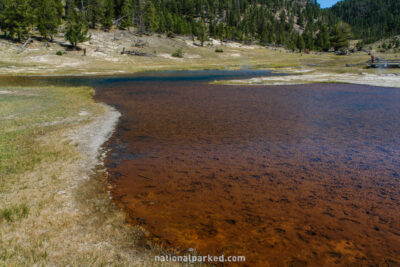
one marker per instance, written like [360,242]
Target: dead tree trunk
[21,49]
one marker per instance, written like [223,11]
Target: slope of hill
[371,20]
[277,21]
[293,23]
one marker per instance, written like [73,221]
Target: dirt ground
[55,208]
[58,211]
[103,56]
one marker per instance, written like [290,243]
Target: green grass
[14,213]
[47,212]
[27,114]
[178,53]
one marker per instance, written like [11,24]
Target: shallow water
[284,175]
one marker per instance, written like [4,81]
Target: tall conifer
[48,16]
[77,28]
[17,18]
[107,14]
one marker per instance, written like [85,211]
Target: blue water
[159,76]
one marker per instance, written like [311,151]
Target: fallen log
[379,63]
[135,53]
[22,48]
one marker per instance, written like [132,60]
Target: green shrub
[170,34]
[178,53]
[59,53]
[219,50]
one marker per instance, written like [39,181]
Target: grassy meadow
[104,56]
[54,205]
[53,209]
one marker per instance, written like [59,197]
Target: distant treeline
[296,24]
[371,20]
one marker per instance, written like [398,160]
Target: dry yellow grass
[55,209]
[104,57]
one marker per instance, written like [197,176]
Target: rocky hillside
[292,23]
[371,20]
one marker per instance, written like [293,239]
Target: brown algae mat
[284,175]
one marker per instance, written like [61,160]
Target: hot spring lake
[290,174]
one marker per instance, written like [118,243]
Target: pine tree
[93,12]
[169,22]
[308,39]
[202,33]
[240,20]
[68,7]
[300,20]
[107,15]
[300,43]
[77,28]
[126,14]
[323,42]
[48,17]
[264,37]
[17,18]
[370,20]
[150,19]
[340,36]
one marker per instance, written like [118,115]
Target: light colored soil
[303,77]
[104,56]
[58,212]
[71,220]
